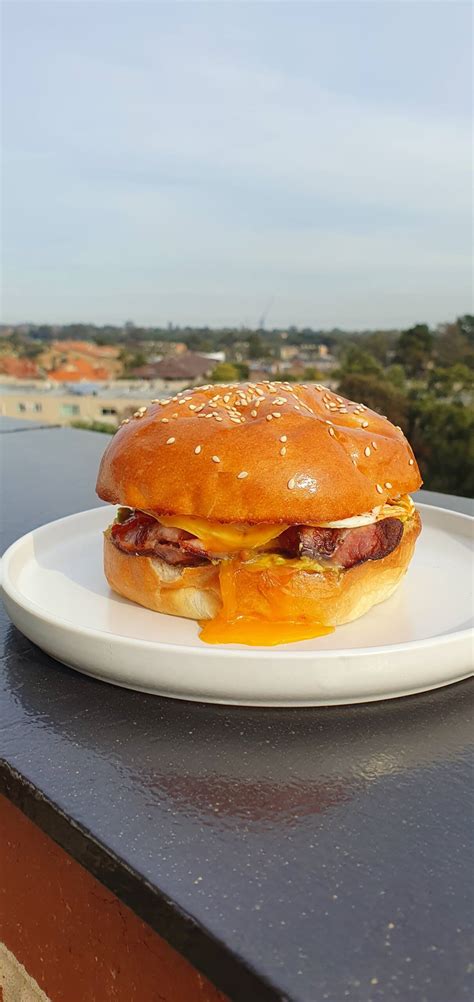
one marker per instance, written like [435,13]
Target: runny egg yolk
[258,605]
[259,632]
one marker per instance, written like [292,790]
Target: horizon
[208,164]
[171,327]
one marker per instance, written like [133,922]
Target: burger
[270,512]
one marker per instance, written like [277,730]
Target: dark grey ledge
[308,855]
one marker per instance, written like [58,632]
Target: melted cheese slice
[220,538]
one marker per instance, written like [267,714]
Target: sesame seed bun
[257,452]
[193,592]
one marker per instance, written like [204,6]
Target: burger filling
[257,568]
[137,532]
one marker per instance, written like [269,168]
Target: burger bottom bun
[194,592]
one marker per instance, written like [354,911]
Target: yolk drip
[259,632]
[261,606]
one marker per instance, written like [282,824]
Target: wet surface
[290,854]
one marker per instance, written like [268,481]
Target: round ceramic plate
[55,593]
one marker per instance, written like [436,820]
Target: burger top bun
[257,452]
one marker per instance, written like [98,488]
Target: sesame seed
[197,450]
[242,475]
[253,413]
[138,414]
[291,484]
[276,414]
[217,417]
[269,417]
[192,407]
[388,486]
[342,410]
[227,398]
[374,446]
[331,431]
[340,400]
[126,420]
[215,459]
[411,462]
[367,451]
[283,451]
[164,420]
[142,410]
[170,441]
[283,438]
[379,489]
[365,424]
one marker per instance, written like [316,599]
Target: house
[72,361]
[19,368]
[189,367]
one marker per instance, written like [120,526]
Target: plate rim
[213,650]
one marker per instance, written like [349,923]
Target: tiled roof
[185,366]
[21,368]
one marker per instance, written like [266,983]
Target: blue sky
[191,162]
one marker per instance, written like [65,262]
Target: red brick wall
[73,936]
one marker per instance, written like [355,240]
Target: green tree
[396,376]
[442,436]
[454,381]
[102,426]
[357,360]
[415,349]
[225,372]
[242,370]
[312,375]
[256,347]
[455,343]
[380,345]
[131,360]
[380,396]
[466,326]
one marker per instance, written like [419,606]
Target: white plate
[55,593]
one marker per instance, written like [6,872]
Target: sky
[213,163]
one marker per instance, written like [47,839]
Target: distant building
[288,351]
[53,403]
[187,367]
[72,361]
[20,368]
